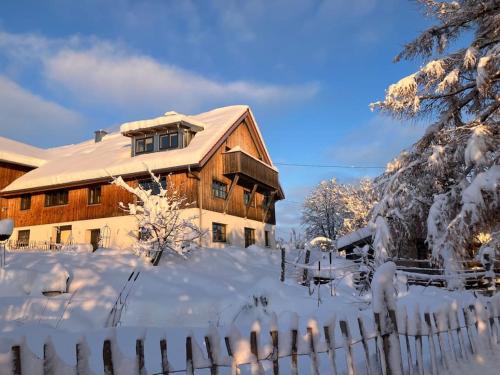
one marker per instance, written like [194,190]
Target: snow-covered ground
[225,288]
[213,286]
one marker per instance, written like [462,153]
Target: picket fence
[433,344]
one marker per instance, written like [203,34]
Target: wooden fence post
[442,349]
[139,351]
[283,264]
[276,352]
[294,352]
[164,357]
[460,335]
[189,356]
[312,348]
[409,356]
[493,327]
[364,341]
[254,348]
[234,366]
[379,344]
[418,342]
[213,365]
[468,330]
[346,334]
[306,262]
[432,347]
[107,358]
[16,360]
[330,341]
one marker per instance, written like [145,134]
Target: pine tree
[446,187]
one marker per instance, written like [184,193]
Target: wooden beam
[266,209]
[252,196]
[230,192]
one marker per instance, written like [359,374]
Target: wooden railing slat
[165,368]
[330,341]
[346,334]
[432,347]
[16,360]
[107,358]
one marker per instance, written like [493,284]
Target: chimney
[99,135]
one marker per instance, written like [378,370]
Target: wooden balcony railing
[238,162]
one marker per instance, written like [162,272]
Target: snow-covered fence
[428,343]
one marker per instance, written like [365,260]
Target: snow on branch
[445,187]
[160,213]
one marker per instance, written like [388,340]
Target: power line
[330,166]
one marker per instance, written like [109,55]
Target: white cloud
[24,115]
[123,80]
[109,74]
[376,142]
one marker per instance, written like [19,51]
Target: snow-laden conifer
[446,187]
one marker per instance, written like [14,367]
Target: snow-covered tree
[333,209]
[446,187]
[162,227]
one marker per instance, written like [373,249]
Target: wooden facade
[8,173]
[195,184]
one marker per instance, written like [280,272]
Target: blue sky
[308,69]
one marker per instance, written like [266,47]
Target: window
[219,189]
[23,237]
[94,196]
[144,145]
[266,202]
[249,237]
[267,238]
[169,141]
[153,186]
[56,198]
[247,195]
[25,202]
[218,232]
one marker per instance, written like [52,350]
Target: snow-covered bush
[6,227]
[322,243]
[333,209]
[446,187]
[159,217]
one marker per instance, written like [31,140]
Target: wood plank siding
[8,173]
[195,184]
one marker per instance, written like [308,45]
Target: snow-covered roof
[21,153]
[353,237]
[89,161]
[169,118]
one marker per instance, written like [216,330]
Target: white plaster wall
[235,229]
[120,228]
[123,229]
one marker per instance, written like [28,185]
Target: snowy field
[228,289]
[213,286]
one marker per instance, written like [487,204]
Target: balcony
[250,169]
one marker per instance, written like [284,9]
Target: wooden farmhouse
[217,159]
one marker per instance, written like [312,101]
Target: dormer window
[144,145]
[169,141]
[170,131]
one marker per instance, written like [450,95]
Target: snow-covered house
[218,159]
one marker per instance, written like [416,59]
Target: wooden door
[95,237]
[249,237]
